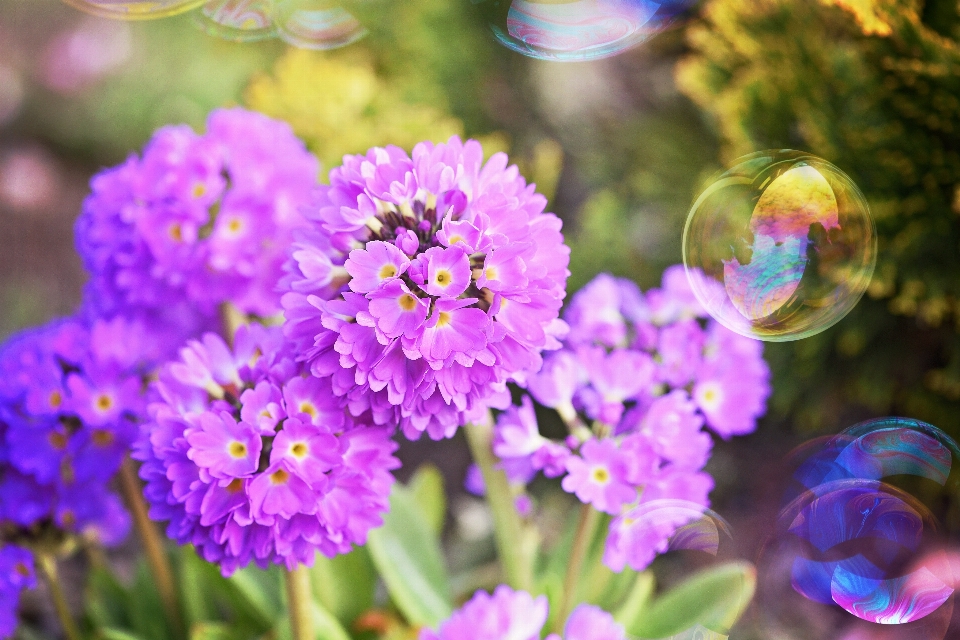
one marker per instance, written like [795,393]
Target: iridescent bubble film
[780,247]
[134,9]
[579,29]
[238,20]
[852,550]
[316,24]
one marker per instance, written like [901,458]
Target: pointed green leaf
[715,599]
[345,584]
[426,485]
[117,634]
[637,600]
[407,554]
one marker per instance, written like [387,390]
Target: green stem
[586,528]
[299,601]
[153,546]
[516,544]
[48,567]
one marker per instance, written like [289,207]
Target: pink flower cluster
[516,615]
[251,459]
[649,373]
[425,283]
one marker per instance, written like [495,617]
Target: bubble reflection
[134,9]
[237,20]
[851,541]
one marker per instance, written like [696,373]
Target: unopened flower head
[197,221]
[425,283]
[71,396]
[251,459]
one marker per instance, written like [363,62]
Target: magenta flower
[504,615]
[599,476]
[516,615]
[198,220]
[424,284]
[252,460]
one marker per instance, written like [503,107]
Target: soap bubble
[134,9]
[316,24]
[581,29]
[780,247]
[851,551]
[238,20]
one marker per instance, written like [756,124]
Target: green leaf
[715,599]
[325,626]
[211,631]
[346,584]
[407,554]
[637,600]
[110,633]
[426,486]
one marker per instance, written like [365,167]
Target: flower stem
[48,567]
[299,602]
[586,528]
[516,544]
[153,546]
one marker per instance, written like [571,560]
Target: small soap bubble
[780,247]
[237,20]
[316,24]
[134,9]
[581,29]
[851,550]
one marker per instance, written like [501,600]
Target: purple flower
[588,622]
[71,396]
[424,284]
[557,382]
[198,220]
[504,615]
[16,574]
[251,460]
[672,425]
[599,476]
[516,615]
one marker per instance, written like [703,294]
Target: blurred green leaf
[345,584]
[210,631]
[426,487]
[325,626]
[408,557]
[117,634]
[714,598]
[637,600]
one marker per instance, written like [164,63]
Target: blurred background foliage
[620,146]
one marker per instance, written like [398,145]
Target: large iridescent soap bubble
[134,9]
[574,30]
[852,550]
[780,247]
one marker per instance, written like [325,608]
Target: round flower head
[198,220]
[424,284]
[652,371]
[516,615]
[251,459]
[16,574]
[71,395]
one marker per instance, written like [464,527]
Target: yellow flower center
[279,477]
[455,239]
[444,319]
[102,438]
[600,475]
[299,450]
[176,232]
[308,408]
[198,190]
[234,225]
[443,277]
[21,569]
[408,302]
[237,450]
[57,440]
[387,271]
[490,273]
[235,486]
[104,402]
[56,399]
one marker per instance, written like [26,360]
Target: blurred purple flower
[424,284]
[16,574]
[71,397]
[199,220]
[251,460]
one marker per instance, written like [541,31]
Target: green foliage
[407,555]
[870,85]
